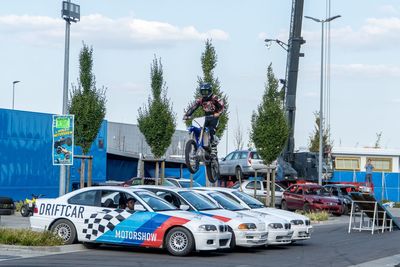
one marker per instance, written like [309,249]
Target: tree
[314,138]
[238,135]
[269,126]
[378,140]
[208,64]
[88,103]
[157,121]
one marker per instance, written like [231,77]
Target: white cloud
[366,70]
[101,30]
[389,9]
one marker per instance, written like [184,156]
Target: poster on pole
[63,139]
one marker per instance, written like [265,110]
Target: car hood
[267,218]
[230,216]
[191,216]
[288,215]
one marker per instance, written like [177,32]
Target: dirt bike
[29,205]
[198,149]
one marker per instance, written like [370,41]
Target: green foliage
[269,127]
[208,63]
[378,140]
[316,216]
[18,205]
[88,103]
[25,237]
[157,121]
[314,138]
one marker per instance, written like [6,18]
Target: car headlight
[297,222]
[247,226]
[275,225]
[207,228]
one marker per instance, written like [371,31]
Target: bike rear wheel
[192,162]
[212,169]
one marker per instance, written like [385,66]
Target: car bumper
[251,238]
[279,237]
[7,211]
[212,241]
[301,232]
[329,208]
[39,224]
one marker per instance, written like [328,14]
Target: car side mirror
[184,207]
[139,207]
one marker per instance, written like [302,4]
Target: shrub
[18,205]
[25,237]
[316,215]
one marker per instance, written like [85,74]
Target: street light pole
[70,13]
[321,98]
[14,82]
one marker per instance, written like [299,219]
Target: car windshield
[250,201]
[198,201]
[225,202]
[186,184]
[156,203]
[316,191]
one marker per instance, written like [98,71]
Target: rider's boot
[214,146]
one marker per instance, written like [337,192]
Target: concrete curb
[60,249]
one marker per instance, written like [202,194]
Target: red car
[309,197]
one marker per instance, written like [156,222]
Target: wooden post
[90,163]
[68,179]
[273,189]
[162,171]
[157,172]
[191,180]
[82,173]
[267,199]
[142,171]
[181,171]
[255,184]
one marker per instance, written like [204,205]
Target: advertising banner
[63,139]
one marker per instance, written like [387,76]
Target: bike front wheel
[212,169]
[191,159]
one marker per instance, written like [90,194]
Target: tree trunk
[255,184]
[267,199]
[273,189]
[162,172]
[90,165]
[157,172]
[82,173]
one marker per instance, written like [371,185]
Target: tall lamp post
[321,117]
[70,13]
[14,82]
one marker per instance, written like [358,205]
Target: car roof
[169,188]
[341,185]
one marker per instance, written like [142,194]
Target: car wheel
[232,245]
[65,230]
[239,174]
[337,214]
[284,205]
[306,207]
[179,241]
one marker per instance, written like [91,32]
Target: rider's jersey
[210,106]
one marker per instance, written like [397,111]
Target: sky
[126,35]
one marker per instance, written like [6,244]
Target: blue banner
[63,139]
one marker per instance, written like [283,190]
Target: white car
[279,229]
[182,182]
[96,215]
[301,225]
[247,231]
[261,189]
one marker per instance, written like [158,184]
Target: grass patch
[18,206]
[25,237]
[315,215]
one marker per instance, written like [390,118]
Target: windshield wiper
[209,209]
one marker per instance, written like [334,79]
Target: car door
[290,197]
[249,188]
[298,198]
[233,162]
[223,164]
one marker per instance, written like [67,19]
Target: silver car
[241,163]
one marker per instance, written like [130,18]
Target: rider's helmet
[205,90]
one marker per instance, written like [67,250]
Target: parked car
[241,163]
[182,182]
[309,197]
[7,206]
[300,224]
[147,181]
[247,231]
[342,191]
[261,189]
[94,216]
[279,229]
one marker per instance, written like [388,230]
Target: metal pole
[13,95]
[65,96]
[321,115]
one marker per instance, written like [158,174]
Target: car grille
[223,228]
[6,206]
[223,242]
[287,225]
[308,222]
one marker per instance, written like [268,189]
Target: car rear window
[254,155]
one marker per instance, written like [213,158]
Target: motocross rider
[212,107]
